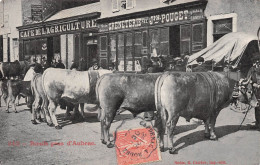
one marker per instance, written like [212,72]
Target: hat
[255,56]
[177,59]
[200,59]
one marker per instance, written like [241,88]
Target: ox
[133,92]
[71,85]
[11,89]
[193,95]
[13,69]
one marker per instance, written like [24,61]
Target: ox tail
[161,112]
[101,112]
[43,78]
[33,83]
[97,89]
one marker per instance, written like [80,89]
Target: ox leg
[207,130]
[212,123]
[47,114]
[18,100]
[101,117]
[13,104]
[107,123]
[33,112]
[82,110]
[160,124]
[7,105]
[52,109]
[171,124]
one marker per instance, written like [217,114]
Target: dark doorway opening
[50,52]
[175,41]
[90,51]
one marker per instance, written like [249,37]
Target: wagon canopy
[229,49]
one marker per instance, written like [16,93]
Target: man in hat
[201,65]
[254,73]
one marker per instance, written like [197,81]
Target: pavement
[23,143]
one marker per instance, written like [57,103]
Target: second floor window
[118,5]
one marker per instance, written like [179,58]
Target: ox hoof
[110,145]
[162,149]
[7,111]
[34,122]
[207,135]
[213,137]
[50,124]
[103,142]
[173,151]
[58,127]
[40,120]
[15,112]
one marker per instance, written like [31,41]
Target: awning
[230,48]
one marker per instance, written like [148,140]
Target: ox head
[245,93]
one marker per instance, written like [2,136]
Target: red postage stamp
[136,146]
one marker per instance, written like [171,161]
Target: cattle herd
[171,94]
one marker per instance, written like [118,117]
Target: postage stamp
[136,146]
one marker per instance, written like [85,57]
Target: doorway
[89,54]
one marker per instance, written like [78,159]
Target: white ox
[73,86]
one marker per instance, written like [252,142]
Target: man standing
[254,73]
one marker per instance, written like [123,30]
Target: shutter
[129,4]
[115,5]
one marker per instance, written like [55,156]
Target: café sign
[164,18]
[58,28]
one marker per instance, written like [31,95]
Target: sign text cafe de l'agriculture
[58,28]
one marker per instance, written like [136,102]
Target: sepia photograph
[125,82]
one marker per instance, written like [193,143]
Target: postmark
[137,146]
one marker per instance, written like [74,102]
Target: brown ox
[193,95]
[133,92]
[11,89]
[71,85]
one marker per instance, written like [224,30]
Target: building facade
[69,35]
[133,30]
[125,34]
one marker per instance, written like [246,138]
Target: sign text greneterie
[59,28]
[164,18]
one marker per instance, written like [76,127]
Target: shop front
[127,41]
[62,38]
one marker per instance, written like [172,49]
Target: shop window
[185,39]
[197,37]
[121,52]
[129,47]
[164,42]
[221,27]
[145,39]
[112,58]
[138,51]
[154,42]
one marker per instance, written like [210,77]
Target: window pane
[164,35]
[145,39]
[121,52]
[197,30]
[103,42]
[112,58]
[129,57]
[185,39]
[154,41]
[222,26]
